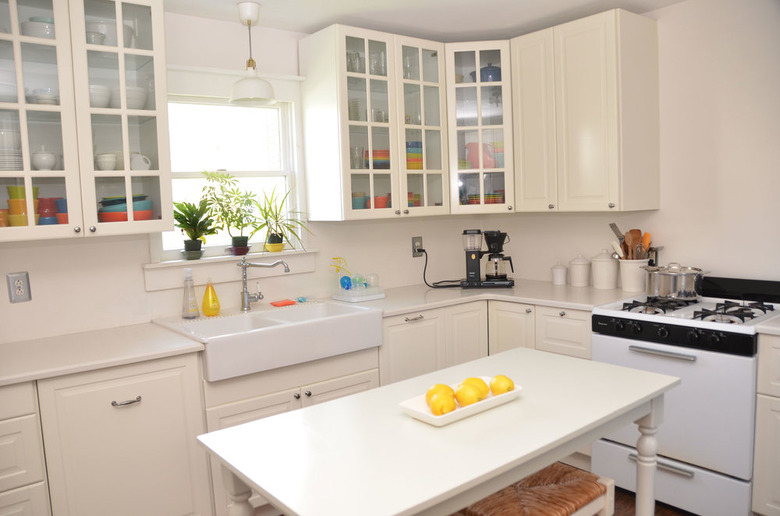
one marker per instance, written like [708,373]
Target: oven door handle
[660,353]
[667,467]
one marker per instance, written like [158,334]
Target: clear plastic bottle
[189,307]
[210,301]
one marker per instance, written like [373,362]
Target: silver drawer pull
[667,467]
[562,314]
[667,354]
[126,402]
[412,319]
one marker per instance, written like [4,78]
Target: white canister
[559,275]
[632,275]
[605,270]
[579,272]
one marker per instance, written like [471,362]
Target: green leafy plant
[280,223]
[194,220]
[232,208]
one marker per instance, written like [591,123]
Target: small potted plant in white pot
[196,223]
[281,225]
[232,208]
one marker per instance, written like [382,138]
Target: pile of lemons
[442,398]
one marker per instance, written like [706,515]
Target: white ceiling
[440,20]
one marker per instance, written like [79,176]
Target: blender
[495,270]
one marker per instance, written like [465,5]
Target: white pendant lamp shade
[251,90]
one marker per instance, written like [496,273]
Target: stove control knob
[693,337]
[620,325]
[715,339]
[636,328]
[663,332]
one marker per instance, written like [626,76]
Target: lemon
[479,384]
[467,394]
[439,387]
[441,403]
[500,384]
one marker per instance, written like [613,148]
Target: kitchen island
[363,455]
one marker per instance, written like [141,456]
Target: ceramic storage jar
[605,270]
[579,272]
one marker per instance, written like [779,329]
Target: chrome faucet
[246,297]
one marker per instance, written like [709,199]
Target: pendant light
[251,90]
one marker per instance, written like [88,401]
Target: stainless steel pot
[674,281]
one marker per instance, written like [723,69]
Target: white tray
[418,408]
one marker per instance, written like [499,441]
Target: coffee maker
[495,270]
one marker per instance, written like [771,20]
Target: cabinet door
[466,332]
[511,325]
[766,474]
[769,365]
[120,87]
[480,127]
[121,441]
[413,344]
[423,127]
[339,387]
[533,105]
[39,159]
[586,109]
[563,331]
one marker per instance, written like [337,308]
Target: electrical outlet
[18,287]
[416,244]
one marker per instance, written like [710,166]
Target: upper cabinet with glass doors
[480,127]
[64,175]
[374,134]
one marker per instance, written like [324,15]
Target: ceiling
[440,20]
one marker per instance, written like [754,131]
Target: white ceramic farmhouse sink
[248,342]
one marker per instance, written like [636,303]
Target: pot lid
[603,256]
[673,268]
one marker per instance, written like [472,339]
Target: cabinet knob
[297,395]
[308,394]
[611,205]
[551,206]
[562,314]
[406,212]
[509,208]
[77,229]
[528,310]
[397,212]
[415,318]
[92,229]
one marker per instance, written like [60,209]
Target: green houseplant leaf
[194,219]
[281,224]
[232,208]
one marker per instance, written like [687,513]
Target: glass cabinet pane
[430,59]
[102,25]
[8,90]
[107,142]
[490,65]
[139,74]
[377,55]
[411,63]
[469,188]
[435,184]
[361,189]
[139,18]
[146,198]
[39,69]
[494,188]
[383,186]
[433,149]
[412,104]
[36,18]
[356,54]
[51,203]
[380,110]
[492,106]
[415,190]
[358,147]
[10,141]
[432,110]
[44,130]
[414,149]
[142,135]
[380,148]
[466,106]
[356,99]
[104,79]
[465,66]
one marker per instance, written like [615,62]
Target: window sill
[223,269]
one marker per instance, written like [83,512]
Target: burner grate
[655,305]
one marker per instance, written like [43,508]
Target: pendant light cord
[250,62]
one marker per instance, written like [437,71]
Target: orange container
[62,218]
[380,202]
[17,206]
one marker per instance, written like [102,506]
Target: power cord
[436,284]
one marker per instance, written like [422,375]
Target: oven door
[709,418]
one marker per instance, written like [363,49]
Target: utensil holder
[632,275]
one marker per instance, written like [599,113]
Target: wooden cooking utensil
[646,240]
[628,242]
[636,238]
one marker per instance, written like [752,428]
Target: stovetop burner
[655,305]
[732,312]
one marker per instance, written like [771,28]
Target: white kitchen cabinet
[510,325]
[428,340]
[479,98]
[45,105]
[122,440]
[22,475]
[563,331]
[374,125]
[766,464]
[247,398]
[586,115]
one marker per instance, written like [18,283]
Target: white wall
[720,138]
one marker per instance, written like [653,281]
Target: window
[252,144]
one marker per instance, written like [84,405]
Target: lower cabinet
[563,331]
[510,325]
[420,342]
[121,440]
[766,464]
[247,398]
[23,488]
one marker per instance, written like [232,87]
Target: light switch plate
[18,287]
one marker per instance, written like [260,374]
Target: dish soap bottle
[189,307]
[210,301]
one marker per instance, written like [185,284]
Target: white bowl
[136,97]
[99,95]
[38,29]
[95,38]
[108,28]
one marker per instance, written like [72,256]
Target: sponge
[283,302]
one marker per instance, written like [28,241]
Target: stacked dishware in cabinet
[63,174]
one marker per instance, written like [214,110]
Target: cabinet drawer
[21,452]
[769,365]
[563,331]
[17,400]
[30,500]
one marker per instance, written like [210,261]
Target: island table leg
[238,495]
[647,447]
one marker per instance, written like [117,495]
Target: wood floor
[624,506]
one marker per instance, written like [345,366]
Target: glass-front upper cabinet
[480,127]
[422,127]
[119,70]
[38,145]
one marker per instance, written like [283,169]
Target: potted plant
[195,222]
[281,225]
[232,208]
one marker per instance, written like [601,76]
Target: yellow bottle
[210,301]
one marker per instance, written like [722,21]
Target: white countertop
[770,327]
[55,356]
